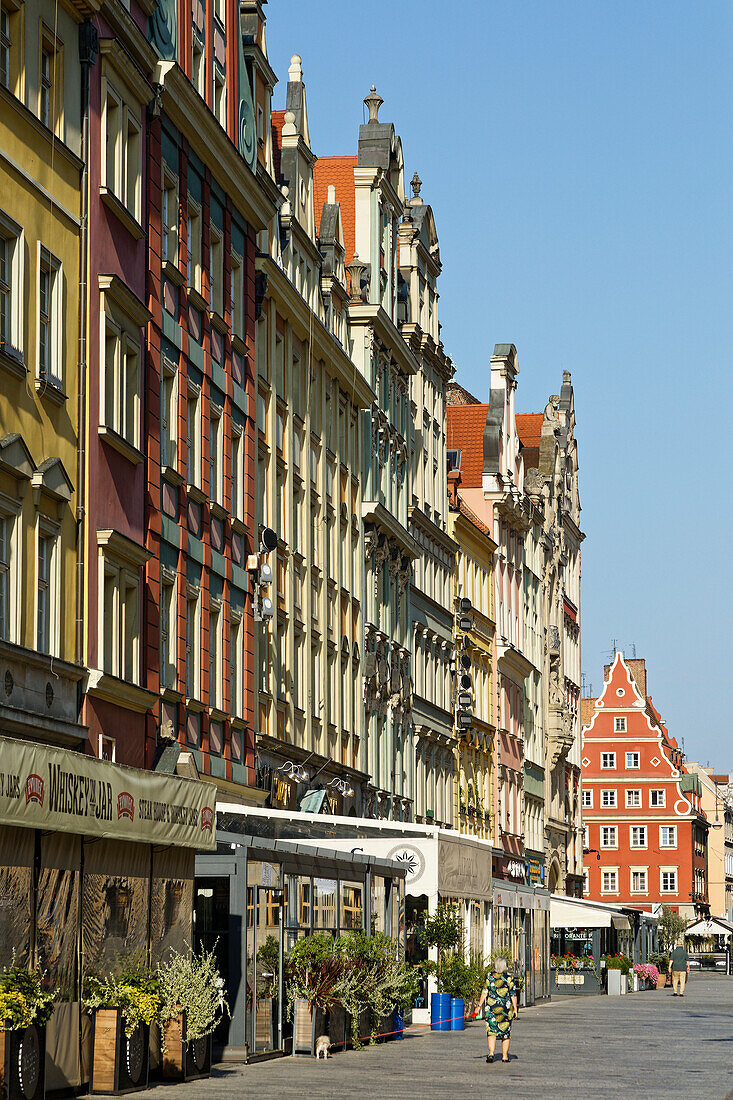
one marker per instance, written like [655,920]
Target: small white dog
[323,1045]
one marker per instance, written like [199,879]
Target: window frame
[193,642]
[632,756]
[668,871]
[216,454]
[169,216]
[193,436]
[638,829]
[216,634]
[216,270]
[619,725]
[122,317]
[657,805]
[236,663]
[169,376]
[673,829]
[639,871]
[608,829]
[236,295]
[10,514]
[169,638]
[587,798]
[610,889]
[630,804]
[12,348]
[53,373]
[48,531]
[194,245]
[121,187]
[609,803]
[608,767]
[236,475]
[120,561]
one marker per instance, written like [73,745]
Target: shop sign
[536,871]
[42,787]
[514,868]
[281,788]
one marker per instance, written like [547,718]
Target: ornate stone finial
[566,379]
[373,101]
[416,184]
[356,270]
[295,72]
[289,124]
[331,198]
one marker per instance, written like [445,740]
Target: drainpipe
[88,47]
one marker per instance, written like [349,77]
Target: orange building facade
[645,831]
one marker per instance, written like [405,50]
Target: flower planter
[185,1059]
[338,1027]
[618,983]
[23,1063]
[570,983]
[119,1064]
[304,1028]
[263,1024]
[661,981]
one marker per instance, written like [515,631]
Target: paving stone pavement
[650,1045]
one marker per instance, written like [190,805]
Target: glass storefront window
[379,905]
[325,903]
[352,905]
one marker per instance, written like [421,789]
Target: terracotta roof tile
[278,121]
[466,433]
[473,518]
[529,428]
[338,171]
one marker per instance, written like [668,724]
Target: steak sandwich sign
[48,788]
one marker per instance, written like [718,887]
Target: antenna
[633,649]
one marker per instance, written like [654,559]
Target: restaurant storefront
[96,867]
[522,929]
[255,898]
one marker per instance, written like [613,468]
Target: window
[215,655]
[216,437]
[50,309]
[237,472]
[220,97]
[632,759]
[197,64]
[668,881]
[193,435]
[608,759]
[668,836]
[121,383]
[587,799]
[168,632]
[169,218]
[169,414]
[619,725]
[633,799]
[638,836]
[216,272]
[45,92]
[193,644]
[5,44]
[638,882]
[236,664]
[237,301]
[122,145]
[656,798]
[193,246]
[585,881]
[609,882]
[609,836]
[119,605]
[608,798]
[9,577]
[46,590]
[11,290]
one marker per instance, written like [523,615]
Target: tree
[443,930]
[671,927]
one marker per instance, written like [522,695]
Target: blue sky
[579,162]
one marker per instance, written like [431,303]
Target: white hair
[500,965]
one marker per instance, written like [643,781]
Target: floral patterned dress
[500,989]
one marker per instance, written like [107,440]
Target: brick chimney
[637,668]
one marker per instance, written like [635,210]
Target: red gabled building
[645,831]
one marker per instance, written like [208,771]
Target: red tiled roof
[529,428]
[338,171]
[466,433]
[278,121]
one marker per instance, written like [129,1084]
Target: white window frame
[10,513]
[121,174]
[586,884]
[637,829]
[660,804]
[611,830]
[630,757]
[122,319]
[198,64]
[193,435]
[193,644]
[619,725]
[609,799]
[119,563]
[611,756]
[169,414]
[169,213]
[587,798]
[50,265]
[216,454]
[237,472]
[668,871]
[49,530]
[639,871]
[13,234]
[633,799]
[236,295]
[6,46]
[610,889]
[216,271]
[236,664]
[662,843]
[216,618]
[193,246]
[220,96]
[169,637]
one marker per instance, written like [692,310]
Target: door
[264,968]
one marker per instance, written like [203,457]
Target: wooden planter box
[570,983]
[339,1024]
[185,1059]
[119,1064]
[23,1063]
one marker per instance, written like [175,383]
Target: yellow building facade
[40,230]
[474,788]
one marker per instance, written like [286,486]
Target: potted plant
[662,964]
[444,931]
[312,972]
[618,968]
[25,1009]
[192,1003]
[122,1006]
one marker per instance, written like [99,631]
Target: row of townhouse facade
[251,530]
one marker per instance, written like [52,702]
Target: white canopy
[574,913]
[712,926]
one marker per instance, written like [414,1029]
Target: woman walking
[500,997]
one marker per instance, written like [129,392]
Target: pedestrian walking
[679,968]
[500,998]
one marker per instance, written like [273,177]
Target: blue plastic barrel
[457,1013]
[440,1012]
[398,1024]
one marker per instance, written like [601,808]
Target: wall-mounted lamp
[294,771]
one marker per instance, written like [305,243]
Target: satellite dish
[268,541]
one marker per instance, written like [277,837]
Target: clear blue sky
[579,161]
